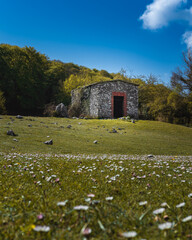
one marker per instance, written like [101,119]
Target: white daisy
[159,211]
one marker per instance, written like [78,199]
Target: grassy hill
[143,137]
[53,196]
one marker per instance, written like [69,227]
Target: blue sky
[141,36]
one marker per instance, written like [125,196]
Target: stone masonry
[99,100]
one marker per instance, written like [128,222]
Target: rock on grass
[11,133]
[49,142]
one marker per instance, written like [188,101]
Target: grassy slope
[143,137]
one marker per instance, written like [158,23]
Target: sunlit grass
[143,137]
[101,196]
[76,189]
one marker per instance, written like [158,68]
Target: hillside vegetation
[32,84]
[142,137]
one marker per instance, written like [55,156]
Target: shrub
[75,110]
[49,110]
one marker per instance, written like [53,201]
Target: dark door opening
[118,106]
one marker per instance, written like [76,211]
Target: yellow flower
[32,226]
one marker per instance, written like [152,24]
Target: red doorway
[119,104]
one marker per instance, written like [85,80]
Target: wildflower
[91,195]
[87,199]
[165,226]
[109,198]
[57,180]
[164,204]
[159,211]
[148,185]
[86,231]
[40,216]
[41,228]
[48,179]
[81,207]
[189,218]
[142,203]
[130,234]
[180,205]
[62,203]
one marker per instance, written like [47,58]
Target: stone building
[109,99]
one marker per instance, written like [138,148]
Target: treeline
[32,84]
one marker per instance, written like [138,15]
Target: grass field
[95,197]
[75,189]
[143,137]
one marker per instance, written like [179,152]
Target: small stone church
[109,99]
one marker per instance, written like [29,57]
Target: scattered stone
[19,117]
[29,125]
[113,131]
[49,142]
[95,142]
[150,156]
[11,133]
[69,126]
[15,140]
[30,119]
[80,123]
[61,126]
[61,110]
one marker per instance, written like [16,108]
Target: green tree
[23,79]
[2,104]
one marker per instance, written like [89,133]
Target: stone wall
[96,99]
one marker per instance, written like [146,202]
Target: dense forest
[32,84]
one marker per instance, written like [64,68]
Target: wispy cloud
[187,38]
[161,12]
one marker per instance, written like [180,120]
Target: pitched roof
[116,80]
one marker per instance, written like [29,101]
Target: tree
[182,79]
[2,104]
[104,73]
[23,79]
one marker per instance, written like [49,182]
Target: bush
[49,110]
[75,110]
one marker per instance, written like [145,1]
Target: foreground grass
[32,185]
[143,137]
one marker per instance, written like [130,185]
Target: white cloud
[159,13]
[187,38]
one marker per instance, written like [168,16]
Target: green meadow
[141,137]
[78,189]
